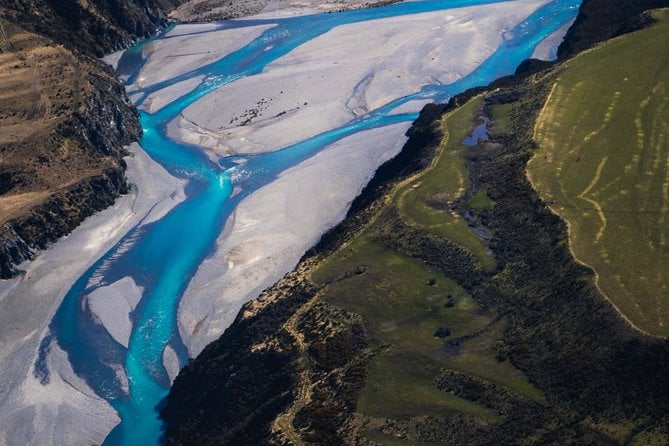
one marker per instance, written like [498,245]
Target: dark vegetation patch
[249,376]
[600,20]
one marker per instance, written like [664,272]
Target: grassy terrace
[404,302]
[604,168]
[427,201]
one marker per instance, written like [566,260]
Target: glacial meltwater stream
[162,256]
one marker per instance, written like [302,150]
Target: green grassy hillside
[404,302]
[603,166]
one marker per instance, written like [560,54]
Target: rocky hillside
[599,20]
[527,350]
[65,117]
[94,27]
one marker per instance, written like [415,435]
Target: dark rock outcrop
[249,374]
[599,20]
[58,217]
[94,27]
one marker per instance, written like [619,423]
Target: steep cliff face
[250,374]
[65,117]
[57,216]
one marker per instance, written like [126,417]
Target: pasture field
[404,303]
[603,166]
